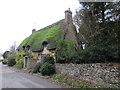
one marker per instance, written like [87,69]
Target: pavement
[14,79]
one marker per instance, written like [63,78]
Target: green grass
[51,34]
[61,78]
[111,87]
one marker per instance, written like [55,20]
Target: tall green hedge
[101,53]
[65,51]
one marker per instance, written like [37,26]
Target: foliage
[5,54]
[58,77]
[11,59]
[38,37]
[20,59]
[99,28]
[27,54]
[36,68]
[98,54]
[98,22]
[76,59]
[110,87]
[47,58]
[4,62]
[75,83]
[20,63]
[47,69]
[19,55]
[11,62]
[65,51]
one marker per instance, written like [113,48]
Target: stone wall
[104,75]
[35,55]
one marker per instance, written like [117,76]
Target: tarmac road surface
[14,79]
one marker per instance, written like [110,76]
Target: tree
[13,47]
[98,22]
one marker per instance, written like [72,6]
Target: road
[0,75]
[14,79]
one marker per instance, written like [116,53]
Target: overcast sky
[19,17]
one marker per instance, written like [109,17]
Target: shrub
[65,51]
[76,59]
[36,68]
[11,62]
[20,63]
[20,59]
[4,62]
[11,59]
[61,58]
[47,58]
[93,54]
[99,54]
[47,69]
[5,54]
[113,53]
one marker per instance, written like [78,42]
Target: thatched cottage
[44,40]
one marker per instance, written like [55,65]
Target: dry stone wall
[104,75]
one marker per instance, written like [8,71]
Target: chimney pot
[33,31]
[69,9]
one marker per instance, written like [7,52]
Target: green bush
[36,68]
[61,58]
[65,51]
[11,59]
[47,69]
[99,54]
[11,62]
[47,58]
[20,59]
[4,62]
[20,63]
[76,59]
[113,53]
[5,54]
[94,54]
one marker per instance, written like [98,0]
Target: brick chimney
[68,16]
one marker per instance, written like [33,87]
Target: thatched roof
[51,34]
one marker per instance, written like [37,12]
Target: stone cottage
[44,40]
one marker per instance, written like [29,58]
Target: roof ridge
[49,26]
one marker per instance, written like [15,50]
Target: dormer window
[18,50]
[44,44]
[23,47]
[28,47]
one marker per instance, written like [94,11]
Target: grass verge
[76,83]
